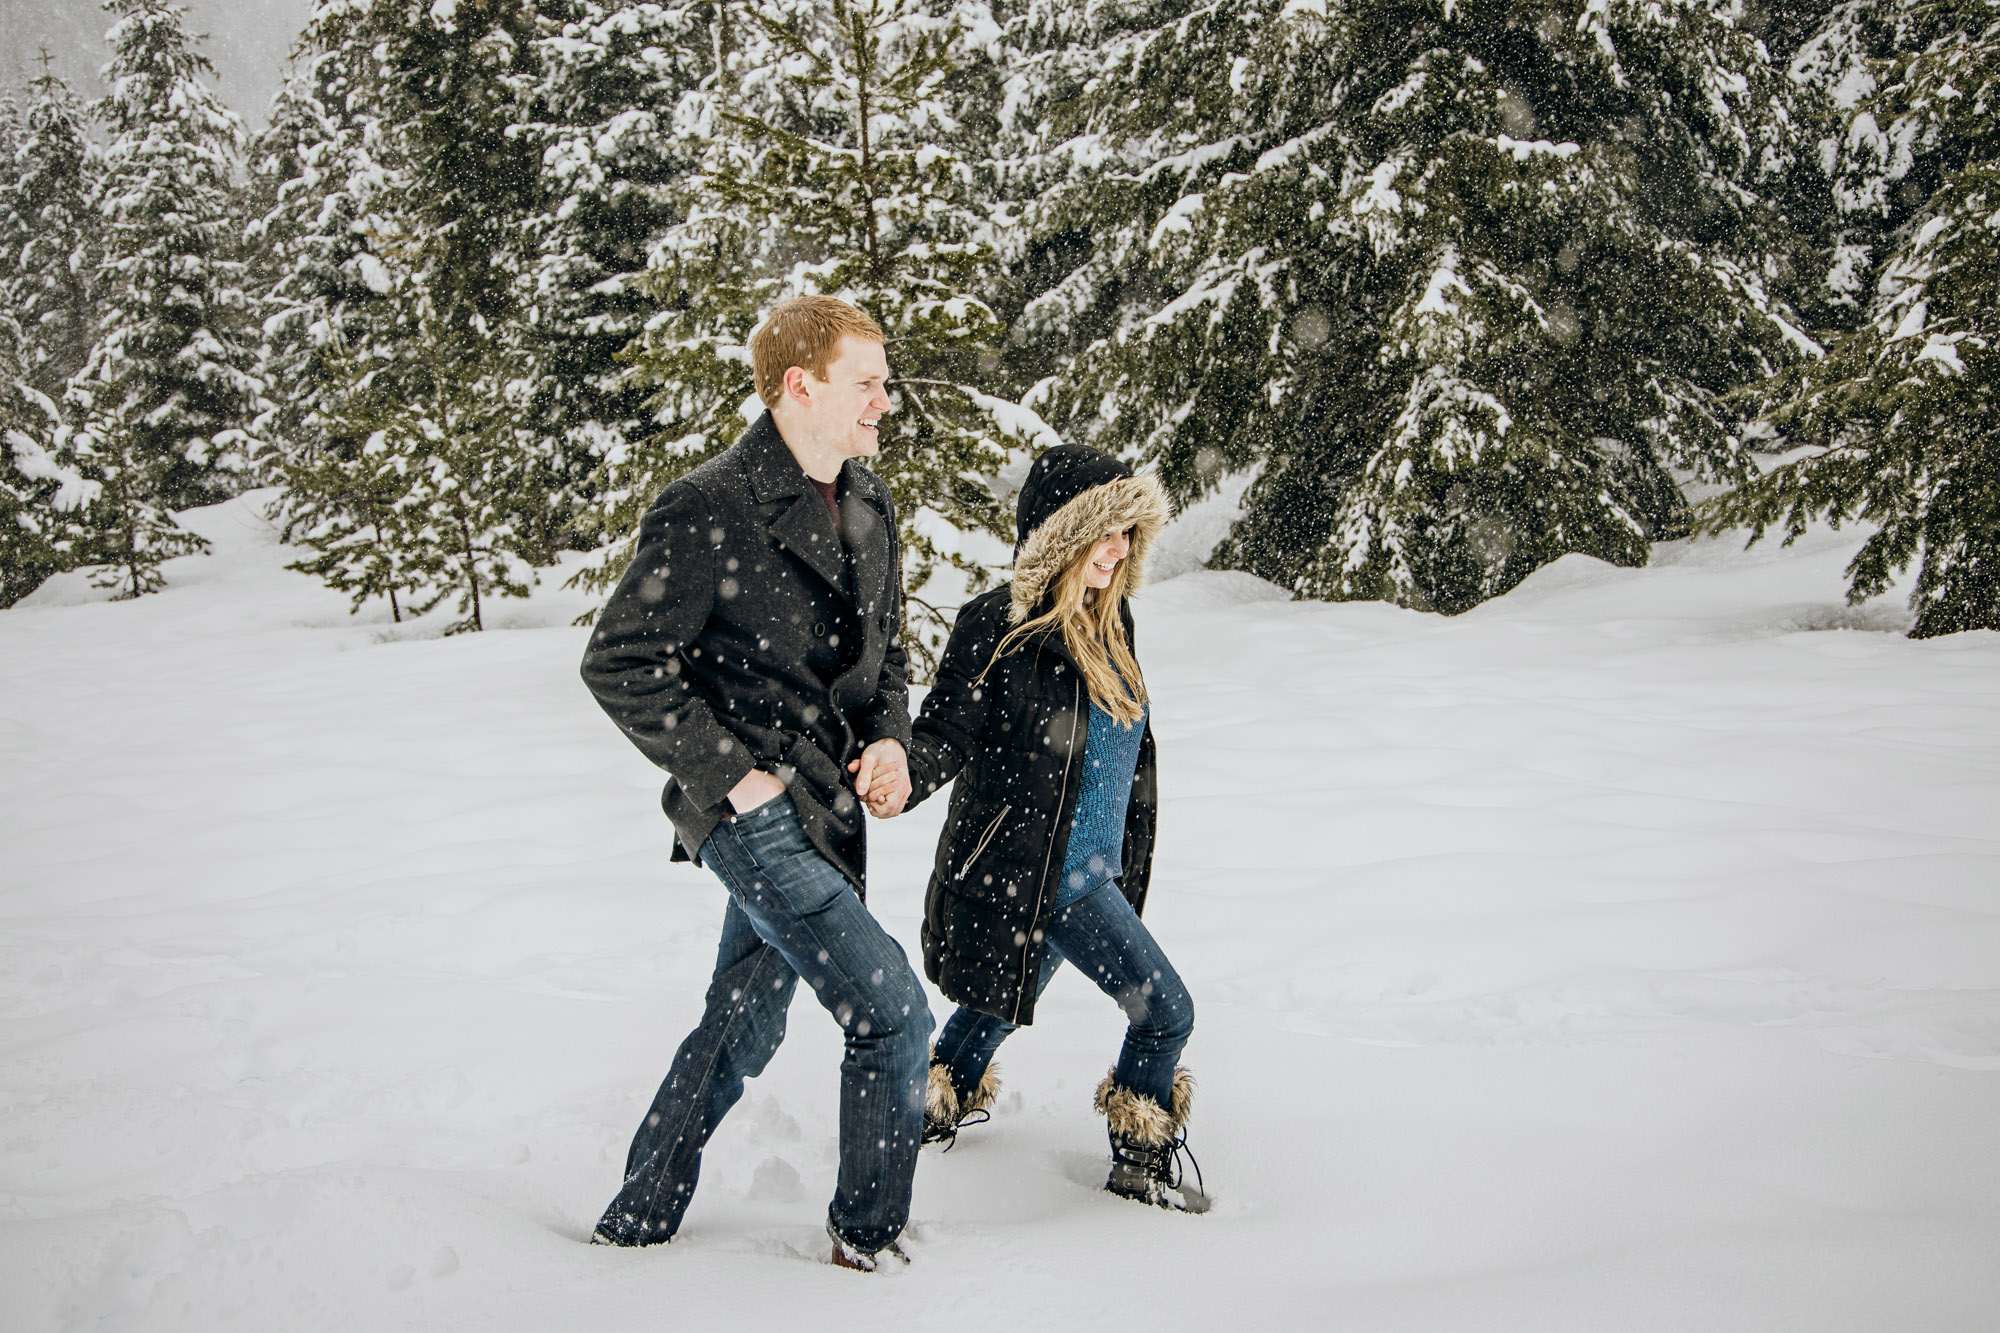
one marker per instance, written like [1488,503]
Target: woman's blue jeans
[790,915]
[1104,938]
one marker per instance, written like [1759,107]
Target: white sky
[248,42]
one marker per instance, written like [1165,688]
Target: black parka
[741,638]
[1013,735]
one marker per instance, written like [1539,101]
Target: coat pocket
[979,847]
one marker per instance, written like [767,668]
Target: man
[752,651]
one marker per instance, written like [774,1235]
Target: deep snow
[1622,956]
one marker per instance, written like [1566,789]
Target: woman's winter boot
[1147,1141]
[945,1112]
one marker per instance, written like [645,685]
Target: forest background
[1437,292]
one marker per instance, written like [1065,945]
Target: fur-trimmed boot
[1147,1141]
[945,1112]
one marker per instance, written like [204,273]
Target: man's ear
[797,384]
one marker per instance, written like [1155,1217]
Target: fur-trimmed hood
[1073,496]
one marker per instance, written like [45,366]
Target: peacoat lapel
[868,547]
[867,538]
[802,526]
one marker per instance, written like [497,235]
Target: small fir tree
[52,235]
[125,533]
[39,495]
[49,234]
[417,503]
[1896,426]
[167,389]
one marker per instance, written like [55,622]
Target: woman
[1040,712]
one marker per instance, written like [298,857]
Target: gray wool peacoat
[741,638]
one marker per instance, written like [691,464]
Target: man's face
[842,410]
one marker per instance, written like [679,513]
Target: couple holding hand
[752,650]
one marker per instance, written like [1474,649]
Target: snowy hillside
[1621,957]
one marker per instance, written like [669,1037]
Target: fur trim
[1138,1116]
[940,1098]
[942,1102]
[1139,503]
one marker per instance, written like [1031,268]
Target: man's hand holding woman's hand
[882,778]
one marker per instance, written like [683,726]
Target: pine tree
[329,184]
[48,232]
[841,163]
[54,236]
[30,480]
[42,493]
[451,90]
[297,238]
[403,293]
[1896,426]
[611,75]
[424,509]
[167,389]
[1465,283]
[452,77]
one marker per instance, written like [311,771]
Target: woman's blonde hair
[1093,629]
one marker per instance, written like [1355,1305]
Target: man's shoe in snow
[1147,1141]
[862,1261]
[604,1234]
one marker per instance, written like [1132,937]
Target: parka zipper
[1042,889]
[984,838]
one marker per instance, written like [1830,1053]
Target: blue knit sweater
[1097,834]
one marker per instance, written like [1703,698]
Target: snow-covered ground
[1622,956]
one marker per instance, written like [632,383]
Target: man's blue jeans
[1104,938]
[790,915]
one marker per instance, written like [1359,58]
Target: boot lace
[937,1131]
[1172,1151]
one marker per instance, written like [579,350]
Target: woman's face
[1104,557]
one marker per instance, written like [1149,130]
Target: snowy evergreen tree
[51,235]
[1896,426]
[38,495]
[167,388]
[612,75]
[401,192]
[452,78]
[442,103]
[328,184]
[839,164]
[424,509]
[1465,282]
[301,240]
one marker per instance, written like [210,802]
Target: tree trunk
[471,565]
[382,544]
[859,36]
